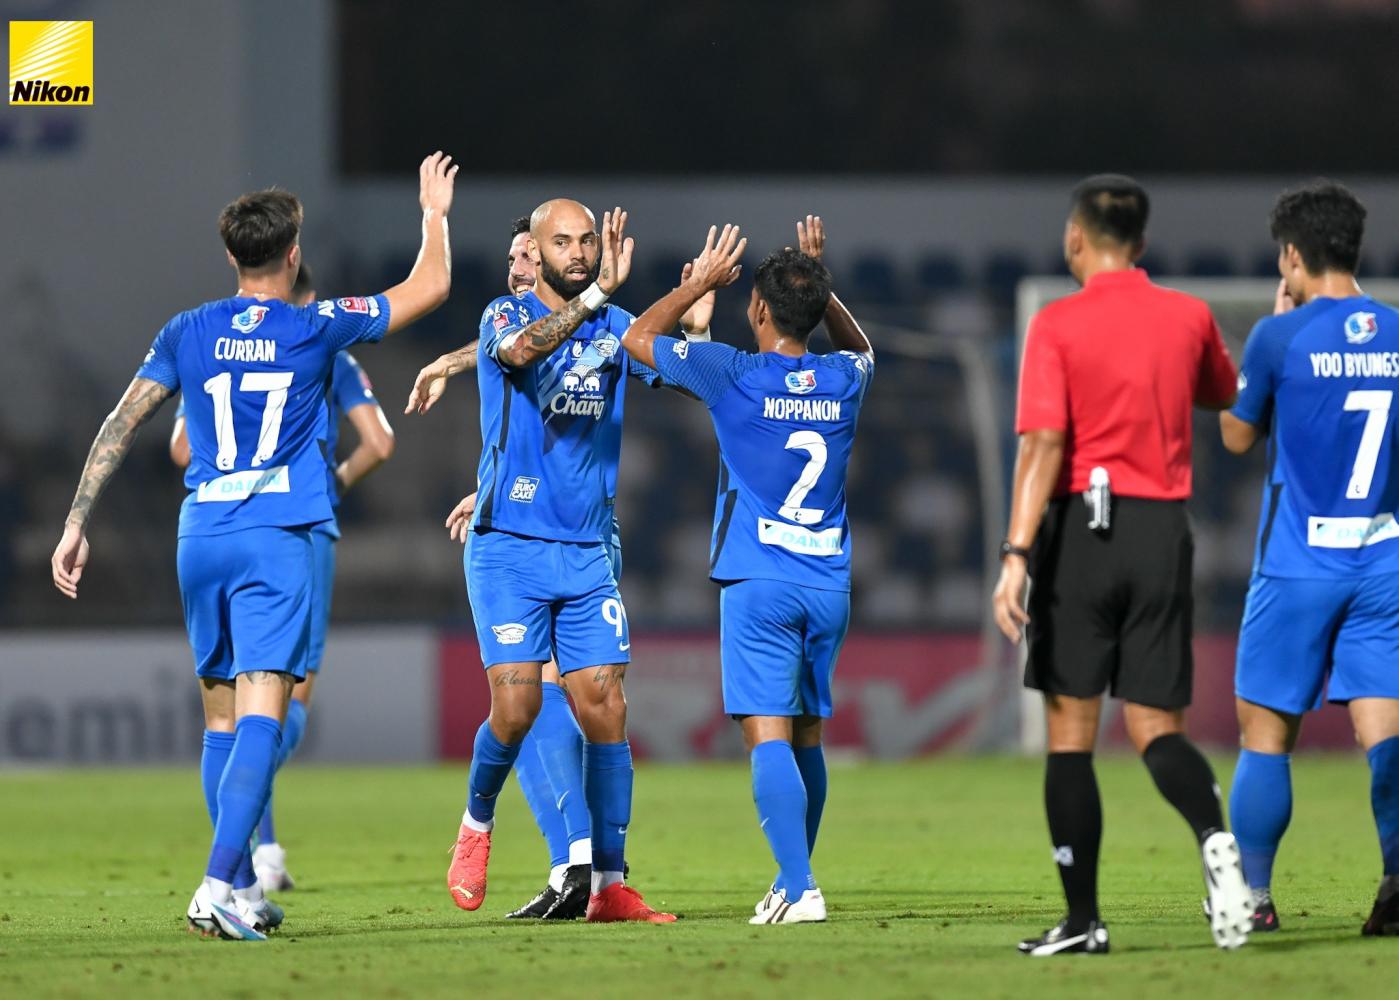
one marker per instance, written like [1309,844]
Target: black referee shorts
[1112,610]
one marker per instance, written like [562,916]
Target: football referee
[1098,522]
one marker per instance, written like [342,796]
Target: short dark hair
[258,227]
[520,225]
[796,289]
[304,282]
[1324,221]
[1113,206]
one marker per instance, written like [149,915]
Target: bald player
[552,380]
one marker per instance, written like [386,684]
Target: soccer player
[1322,616]
[350,394]
[785,421]
[256,367]
[552,386]
[549,765]
[1108,384]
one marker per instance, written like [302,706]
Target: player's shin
[811,762]
[780,796]
[534,783]
[1075,814]
[1384,799]
[1185,780]
[1260,806]
[242,795]
[491,761]
[561,751]
[607,784]
[292,731]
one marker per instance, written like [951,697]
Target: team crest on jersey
[249,319]
[1361,328]
[510,634]
[801,382]
[606,346]
[359,305]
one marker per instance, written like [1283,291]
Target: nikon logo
[51,63]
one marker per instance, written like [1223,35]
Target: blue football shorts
[534,600]
[248,598]
[778,647]
[323,541]
[1307,641]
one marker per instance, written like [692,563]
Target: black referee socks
[1076,827]
[1184,778]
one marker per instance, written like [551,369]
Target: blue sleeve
[645,373]
[345,322]
[349,385]
[1261,370]
[160,364]
[502,319]
[708,370]
[860,366]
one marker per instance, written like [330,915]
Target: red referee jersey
[1118,366]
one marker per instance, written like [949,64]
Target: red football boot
[621,902]
[466,877]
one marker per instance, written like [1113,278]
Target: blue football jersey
[551,432]
[255,375]
[785,427]
[1321,380]
[349,387]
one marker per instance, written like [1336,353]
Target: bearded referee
[1098,522]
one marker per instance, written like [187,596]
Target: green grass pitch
[932,871]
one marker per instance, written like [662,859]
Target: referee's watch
[1008,549]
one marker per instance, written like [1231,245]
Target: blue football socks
[781,799]
[811,762]
[1260,807]
[539,796]
[292,731]
[607,786]
[242,793]
[491,761]
[1384,799]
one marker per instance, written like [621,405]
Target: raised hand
[811,237]
[69,559]
[717,264]
[429,386]
[459,520]
[699,315]
[437,177]
[1282,299]
[616,251]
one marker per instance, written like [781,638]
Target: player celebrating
[256,367]
[538,575]
[785,420]
[351,395]
[549,766]
[1320,620]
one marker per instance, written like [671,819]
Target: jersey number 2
[815,446]
[1376,403]
[220,387]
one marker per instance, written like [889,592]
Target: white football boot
[810,908]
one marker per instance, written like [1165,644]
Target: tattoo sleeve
[142,398]
[541,338]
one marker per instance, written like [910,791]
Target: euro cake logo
[51,63]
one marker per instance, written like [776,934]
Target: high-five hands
[616,251]
[718,263]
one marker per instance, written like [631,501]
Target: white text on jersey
[775,408]
[1334,364]
[236,349]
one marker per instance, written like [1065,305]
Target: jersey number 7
[1376,402]
[220,387]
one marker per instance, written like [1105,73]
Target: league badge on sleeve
[1361,328]
[359,305]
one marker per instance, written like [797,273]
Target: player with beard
[549,766]
[552,380]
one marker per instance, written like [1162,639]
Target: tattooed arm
[432,380]
[143,397]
